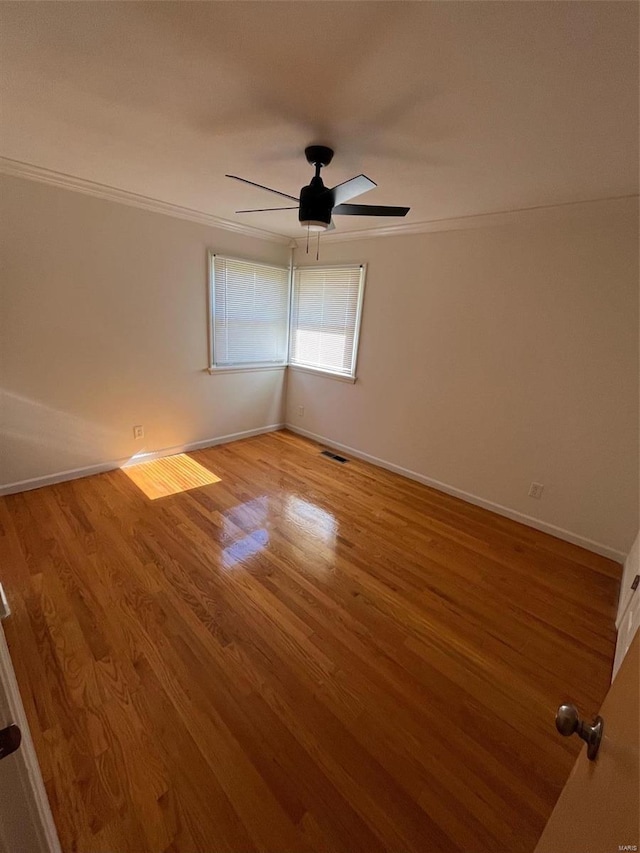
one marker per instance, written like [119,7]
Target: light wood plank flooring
[303,656]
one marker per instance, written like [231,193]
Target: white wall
[103,325]
[495,356]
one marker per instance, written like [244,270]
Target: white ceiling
[453,108]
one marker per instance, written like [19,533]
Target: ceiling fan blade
[260,186]
[265,209]
[352,188]
[331,226]
[370,210]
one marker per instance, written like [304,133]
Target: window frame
[211,307]
[319,371]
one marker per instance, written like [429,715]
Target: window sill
[327,373]
[245,368]
[212,371]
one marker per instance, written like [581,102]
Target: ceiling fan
[317,204]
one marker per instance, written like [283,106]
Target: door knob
[568,721]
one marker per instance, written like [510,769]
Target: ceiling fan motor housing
[316,203]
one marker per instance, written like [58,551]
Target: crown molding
[472,221]
[18,169]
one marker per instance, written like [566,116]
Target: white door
[598,810]
[627,627]
[26,825]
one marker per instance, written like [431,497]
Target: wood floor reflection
[303,656]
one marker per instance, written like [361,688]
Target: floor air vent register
[331,455]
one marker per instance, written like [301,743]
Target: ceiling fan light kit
[314,225]
[317,204]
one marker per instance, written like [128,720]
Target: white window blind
[325,318]
[250,305]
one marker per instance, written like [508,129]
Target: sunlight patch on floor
[169,475]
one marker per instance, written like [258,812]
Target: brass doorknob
[568,721]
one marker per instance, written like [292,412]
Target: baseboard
[200,445]
[514,515]
[100,467]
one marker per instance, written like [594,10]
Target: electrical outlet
[535,490]
[300,411]
[138,432]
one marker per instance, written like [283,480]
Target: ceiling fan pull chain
[318,248]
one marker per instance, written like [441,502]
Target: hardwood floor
[304,656]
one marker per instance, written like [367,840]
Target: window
[250,308]
[253,326]
[325,318]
